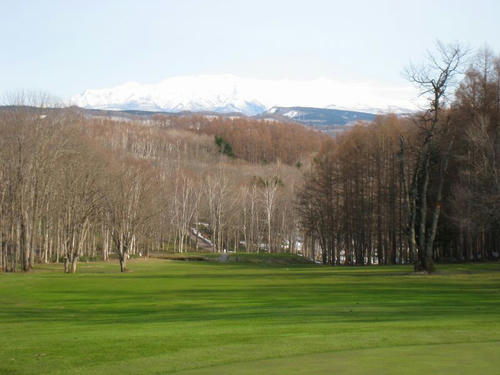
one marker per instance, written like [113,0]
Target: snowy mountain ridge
[229,93]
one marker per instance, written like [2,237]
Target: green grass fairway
[203,317]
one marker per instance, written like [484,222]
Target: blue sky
[65,47]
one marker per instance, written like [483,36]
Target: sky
[65,47]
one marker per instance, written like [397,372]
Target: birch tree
[129,203]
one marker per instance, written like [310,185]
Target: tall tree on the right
[423,178]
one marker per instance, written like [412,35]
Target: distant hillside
[318,117]
[330,121]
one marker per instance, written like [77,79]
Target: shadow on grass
[357,300]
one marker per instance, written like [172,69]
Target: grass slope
[209,318]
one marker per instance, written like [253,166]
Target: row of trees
[376,193]
[73,187]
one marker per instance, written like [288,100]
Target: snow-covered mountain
[229,93]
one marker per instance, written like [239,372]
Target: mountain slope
[318,117]
[229,94]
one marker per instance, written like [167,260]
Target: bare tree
[78,199]
[218,190]
[269,189]
[129,203]
[185,205]
[434,80]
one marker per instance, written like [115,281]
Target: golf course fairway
[204,317]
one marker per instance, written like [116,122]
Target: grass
[282,259]
[181,317]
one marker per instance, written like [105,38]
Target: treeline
[352,202]
[414,189]
[73,187]
[256,141]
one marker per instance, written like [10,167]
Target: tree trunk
[23,246]
[74,263]
[66,264]
[123,262]
[424,262]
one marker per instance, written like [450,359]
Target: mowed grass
[169,316]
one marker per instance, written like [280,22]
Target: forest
[419,189]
